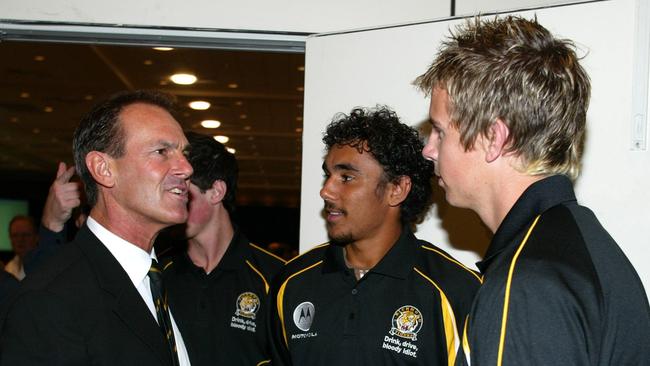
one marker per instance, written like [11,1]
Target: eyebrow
[169,144]
[340,166]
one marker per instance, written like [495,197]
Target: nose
[326,192]
[430,150]
[183,167]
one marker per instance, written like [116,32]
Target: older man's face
[22,234]
[151,181]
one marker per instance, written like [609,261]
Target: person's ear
[218,191]
[100,166]
[399,190]
[495,143]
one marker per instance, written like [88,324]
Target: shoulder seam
[310,250]
[454,261]
[255,246]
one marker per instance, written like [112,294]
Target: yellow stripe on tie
[266,284]
[448,320]
[506,301]
[280,298]
[265,362]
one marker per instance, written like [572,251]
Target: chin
[340,239]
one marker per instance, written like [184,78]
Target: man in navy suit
[91,303]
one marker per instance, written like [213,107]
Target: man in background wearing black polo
[218,286]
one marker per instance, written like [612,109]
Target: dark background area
[261,224]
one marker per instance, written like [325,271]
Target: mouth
[333,213]
[180,191]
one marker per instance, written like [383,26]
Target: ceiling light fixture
[183,79]
[199,105]
[233,86]
[231,150]
[210,123]
[163,48]
[221,138]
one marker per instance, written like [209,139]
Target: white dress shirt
[15,267]
[136,263]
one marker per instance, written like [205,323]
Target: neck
[365,254]
[124,226]
[207,248]
[504,195]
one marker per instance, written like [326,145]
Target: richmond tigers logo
[407,322]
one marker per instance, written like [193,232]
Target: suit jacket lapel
[121,295]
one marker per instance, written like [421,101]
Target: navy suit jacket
[80,308]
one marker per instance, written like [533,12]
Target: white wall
[260,15]
[615,179]
[472,7]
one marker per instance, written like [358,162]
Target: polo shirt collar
[232,258]
[537,198]
[398,261]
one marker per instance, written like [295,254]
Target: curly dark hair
[211,162]
[396,147]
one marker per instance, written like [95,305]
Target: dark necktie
[162,310]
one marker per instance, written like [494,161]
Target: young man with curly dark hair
[375,294]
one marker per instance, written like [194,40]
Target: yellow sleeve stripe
[266,284]
[314,248]
[280,299]
[442,254]
[466,348]
[265,362]
[267,252]
[506,301]
[449,322]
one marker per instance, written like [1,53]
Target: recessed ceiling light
[199,105]
[88,97]
[183,79]
[163,48]
[147,62]
[301,68]
[210,123]
[300,88]
[247,128]
[243,116]
[298,129]
[231,150]
[221,138]
[39,58]
[299,118]
[48,109]
[24,95]
[233,86]
[239,103]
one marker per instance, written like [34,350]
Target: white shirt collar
[135,261]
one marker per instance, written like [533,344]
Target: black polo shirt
[405,311]
[557,290]
[222,315]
